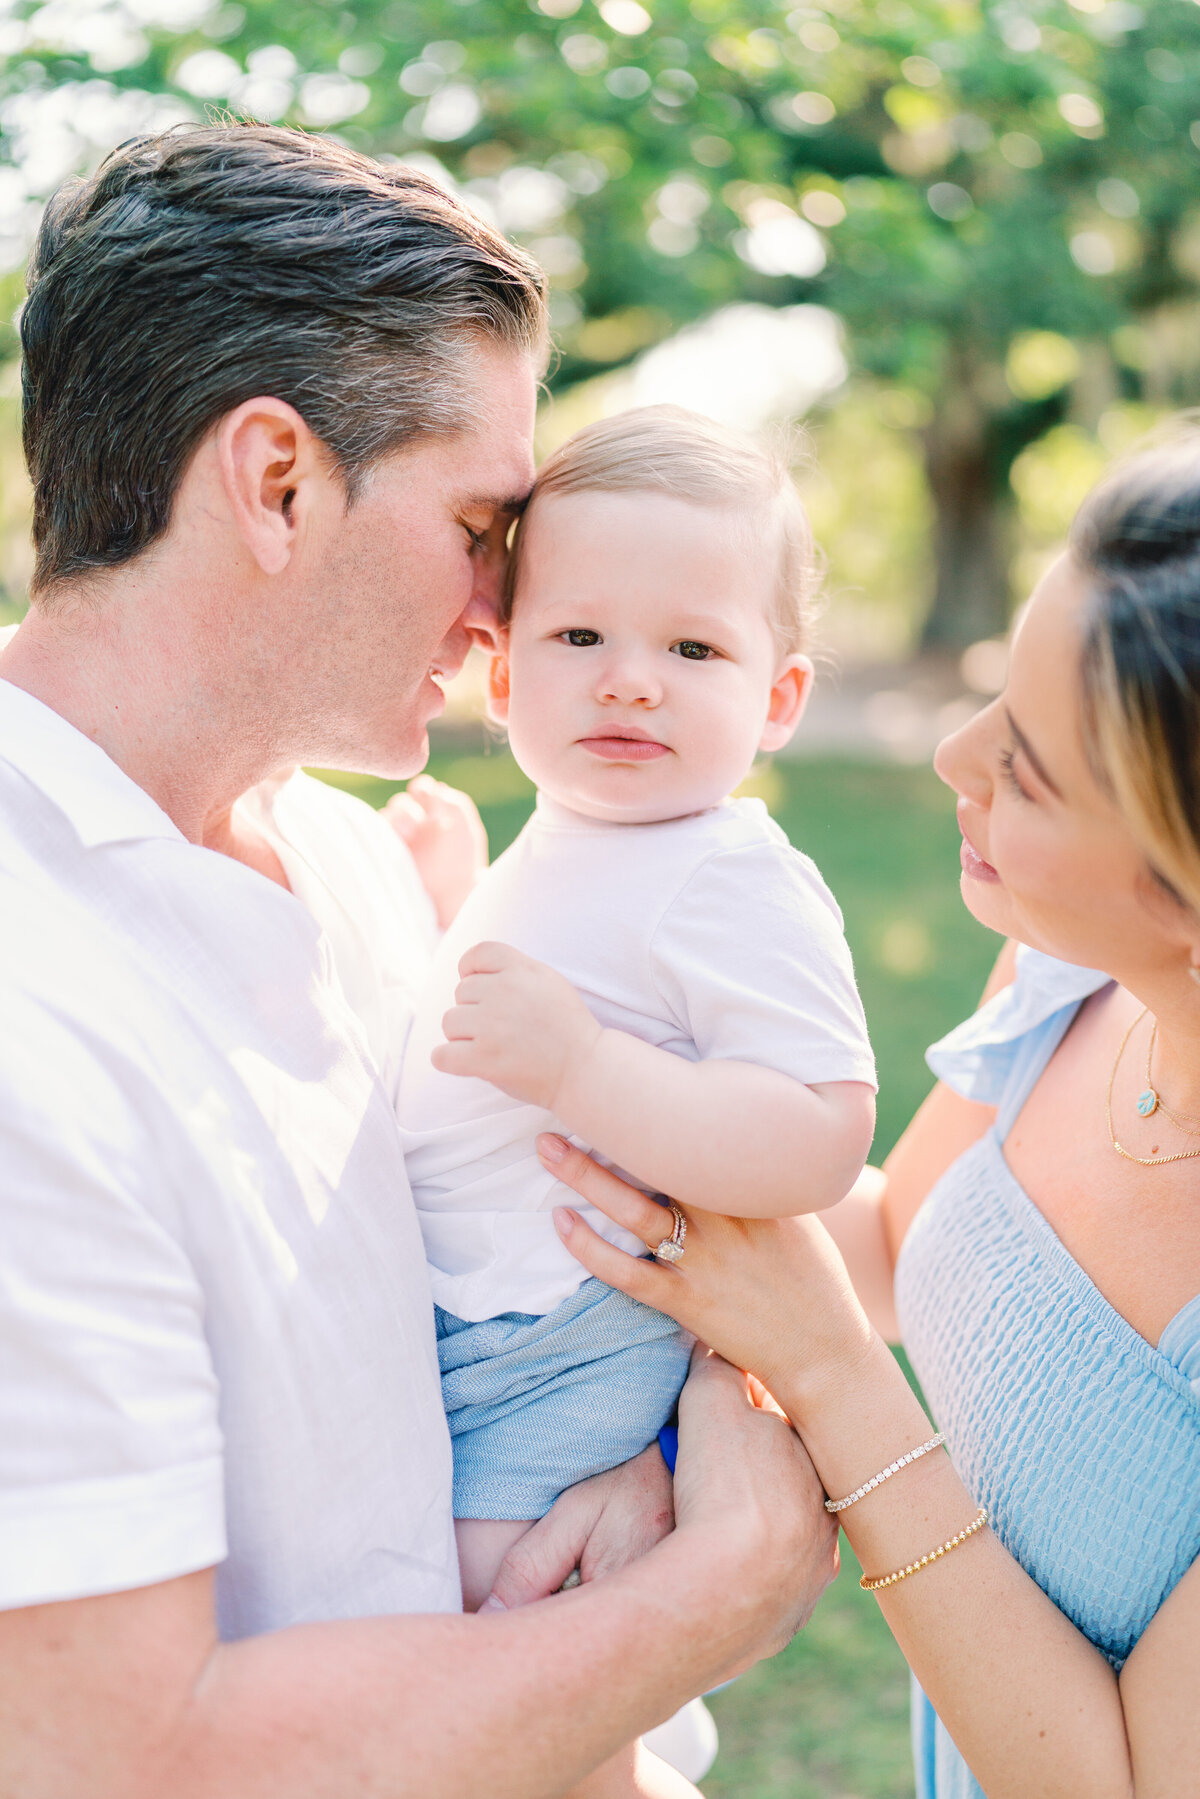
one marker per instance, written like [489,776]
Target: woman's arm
[1035,1709]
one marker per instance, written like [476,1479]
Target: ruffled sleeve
[978,1057]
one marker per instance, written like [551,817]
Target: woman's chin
[987,902]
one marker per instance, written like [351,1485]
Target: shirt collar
[101,802]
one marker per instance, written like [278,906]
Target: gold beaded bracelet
[890,1580]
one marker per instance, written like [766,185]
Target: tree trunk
[973,526]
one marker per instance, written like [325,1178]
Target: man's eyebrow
[1027,750]
[490,502]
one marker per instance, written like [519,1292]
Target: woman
[1045,1207]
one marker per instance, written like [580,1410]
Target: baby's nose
[631,679]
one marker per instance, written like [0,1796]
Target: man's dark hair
[201,267]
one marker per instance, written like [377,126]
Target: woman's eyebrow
[1027,750]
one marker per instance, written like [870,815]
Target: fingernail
[492,1604]
[550,1148]
[564,1221]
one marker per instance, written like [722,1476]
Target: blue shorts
[538,1403]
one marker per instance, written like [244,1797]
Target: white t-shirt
[216,1336]
[708,936]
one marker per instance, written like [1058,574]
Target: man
[278,413]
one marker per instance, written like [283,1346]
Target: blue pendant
[1147,1102]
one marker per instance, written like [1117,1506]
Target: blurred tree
[997,198]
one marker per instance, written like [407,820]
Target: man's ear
[497,686]
[789,696]
[270,463]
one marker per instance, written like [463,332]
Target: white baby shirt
[708,936]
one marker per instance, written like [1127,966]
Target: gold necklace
[1152,1101]
[1182,1155]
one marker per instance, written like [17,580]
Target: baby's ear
[789,696]
[497,681]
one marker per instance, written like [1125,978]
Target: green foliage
[949,176]
[964,144]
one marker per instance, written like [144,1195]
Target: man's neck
[134,680]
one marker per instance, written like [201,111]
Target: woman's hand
[770,1294]
[444,835]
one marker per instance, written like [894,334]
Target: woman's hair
[667,450]
[1137,539]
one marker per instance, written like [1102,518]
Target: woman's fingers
[624,1204]
[634,1275]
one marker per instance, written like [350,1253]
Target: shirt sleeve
[978,1057]
[110,1446]
[751,960]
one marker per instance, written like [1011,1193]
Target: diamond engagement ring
[671,1248]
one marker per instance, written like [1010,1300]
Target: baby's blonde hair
[668,450]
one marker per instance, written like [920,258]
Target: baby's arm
[754,1141]
[445,837]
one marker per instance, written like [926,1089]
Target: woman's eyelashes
[1009,773]
[478,539]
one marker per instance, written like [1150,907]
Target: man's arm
[769,1144]
[131,1696]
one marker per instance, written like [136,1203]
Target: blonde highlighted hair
[1137,540]
[668,450]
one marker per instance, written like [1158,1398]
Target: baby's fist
[516,1023]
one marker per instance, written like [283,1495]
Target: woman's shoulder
[978,1056]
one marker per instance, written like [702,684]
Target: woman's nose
[962,760]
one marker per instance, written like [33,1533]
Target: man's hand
[599,1526]
[444,834]
[516,1023]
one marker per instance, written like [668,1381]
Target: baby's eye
[692,651]
[580,639]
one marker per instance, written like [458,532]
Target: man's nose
[480,617]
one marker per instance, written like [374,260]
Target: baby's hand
[445,838]
[515,1023]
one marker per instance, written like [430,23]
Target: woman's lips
[973,863]
[624,749]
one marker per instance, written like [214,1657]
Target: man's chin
[384,762]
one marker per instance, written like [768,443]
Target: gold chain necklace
[1182,1155]
[1152,1101]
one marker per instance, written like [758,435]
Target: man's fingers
[539,1562]
[605,1190]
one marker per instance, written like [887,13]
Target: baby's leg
[483,1544]
[635,1773]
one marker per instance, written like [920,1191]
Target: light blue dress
[1080,1437]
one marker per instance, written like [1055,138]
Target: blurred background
[948,253]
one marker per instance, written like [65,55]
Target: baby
[650,968]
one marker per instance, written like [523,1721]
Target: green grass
[828,1719]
